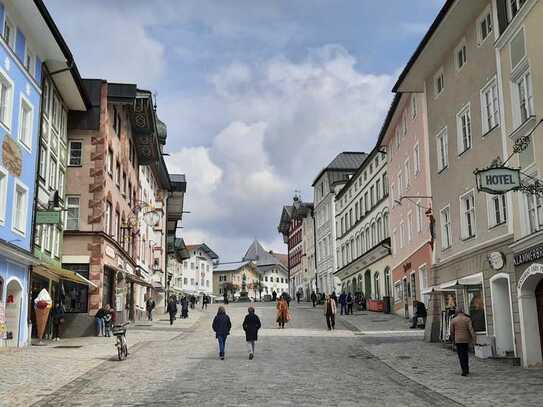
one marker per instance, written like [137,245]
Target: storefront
[528,261]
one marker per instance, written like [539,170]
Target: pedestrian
[286,297]
[334,296]
[58,321]
[350,303]
[149,307]
[274,296]
[192,301]
[221,326]
[419,312]
[99,318]
[184,308]
[251,325]
[205,301]
[313,298]
[298,296]
[330,312]
[108,321]
[225,297]
[343,302]
[462,334]
[282,312]
[172,309]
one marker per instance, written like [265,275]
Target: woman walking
[330,312]
[58,321]
[221,326]
[251,325]
[282,312]
[172,309]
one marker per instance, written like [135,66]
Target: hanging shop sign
[527,256]
[498,180]
[47,217]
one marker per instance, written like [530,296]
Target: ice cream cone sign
[42,306]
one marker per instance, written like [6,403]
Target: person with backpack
[251,325]
[221,325]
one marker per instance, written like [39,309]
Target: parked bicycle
[121,344]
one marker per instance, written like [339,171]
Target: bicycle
[121,344]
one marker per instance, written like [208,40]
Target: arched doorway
[354,288]
[367,284]
[14,301]
[530,297]
[501,314]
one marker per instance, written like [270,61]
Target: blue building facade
[20,99]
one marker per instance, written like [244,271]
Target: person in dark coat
[274,296]
[184,308]
[172,309]
[58,321]
[251,325]
[313,298]
[221,326]
[419,312]
[343,303]
[334,296]
[350,303]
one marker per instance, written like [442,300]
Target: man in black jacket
[251,325]
[419,312]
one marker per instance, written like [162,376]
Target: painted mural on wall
[11,156]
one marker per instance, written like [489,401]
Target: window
[109,161]
[378,189]
[3,194]
[116,122]
[413,106]
[118,173]
[25,123]
[52,173]
[409,226]
[460,55]
[385,184]
[446,237]
[514,7]
[416,159]
[9,33]
[61,177]
[402,235]
[497,210]
[525,107]
[535,212]
[400,185]
[30,63]
[76,299]
[6,98]
[75,153]
[485,26]
[442,150]
[490,109]
[463,126]
[439,82]
[419,217]
[476,307]
[20,204]
[43,163]
[108,218]
[467,215]
[406,171]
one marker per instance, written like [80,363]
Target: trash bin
[387,308]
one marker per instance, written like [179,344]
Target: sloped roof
[205,248]
[260,255]
[346,161]
[283,258]
[230,266]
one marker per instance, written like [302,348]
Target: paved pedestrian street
[369,360]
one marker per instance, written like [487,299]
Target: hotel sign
[498,180]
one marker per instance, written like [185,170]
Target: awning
[63,274]
[157,286]
[138,280]
[476,279]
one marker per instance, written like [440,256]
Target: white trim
[24,100]
[16,183]
[508,277]
[474,226]
[482,17]
[460,253]
[448,206]
[439,73]
[466,109]
[461,45]
[3,195]
[14,58]
[9,100]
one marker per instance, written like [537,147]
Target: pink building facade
[406,142]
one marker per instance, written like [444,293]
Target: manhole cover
[68,347]
[403,357]
[379,320]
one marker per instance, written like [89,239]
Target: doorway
[14,298]
[530,297]
[501,313]
[539,304]
[367,284]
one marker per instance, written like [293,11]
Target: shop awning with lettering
[476,279]
[62,274]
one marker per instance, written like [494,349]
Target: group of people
[105,318]
[184,304]
[222,326]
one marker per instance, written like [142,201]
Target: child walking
[251,325]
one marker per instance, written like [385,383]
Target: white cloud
[282,121]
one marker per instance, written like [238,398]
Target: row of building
[448,206]
[88,209]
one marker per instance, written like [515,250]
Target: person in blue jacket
[343,302]
[221,326]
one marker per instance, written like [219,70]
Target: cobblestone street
[304,364]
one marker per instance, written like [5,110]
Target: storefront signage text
[110,252]
[498,180]
[527,256]
[47,217]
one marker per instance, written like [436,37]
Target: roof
[283,258]
[346,161]
[259,255]
[205,248]
[231,266]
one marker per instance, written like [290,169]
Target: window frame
[70,149]
[486,18]
[464,227]
[10,85]
[465,111]
[14,226]
[492,210]
[461,48]
[72,206]
[13,31]
[446,228]
[443,161]
[440,74]
[24,102]
[492,87]
[3,194]
[416,159]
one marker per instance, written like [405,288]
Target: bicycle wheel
[120,352]
[125,350]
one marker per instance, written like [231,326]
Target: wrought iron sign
[498,180]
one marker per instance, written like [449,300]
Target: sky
[258,96]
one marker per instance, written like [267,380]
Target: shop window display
[75,296]
[476,307]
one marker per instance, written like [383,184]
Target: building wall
[197,270]
[325,234]
[448,185]
[308,260]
